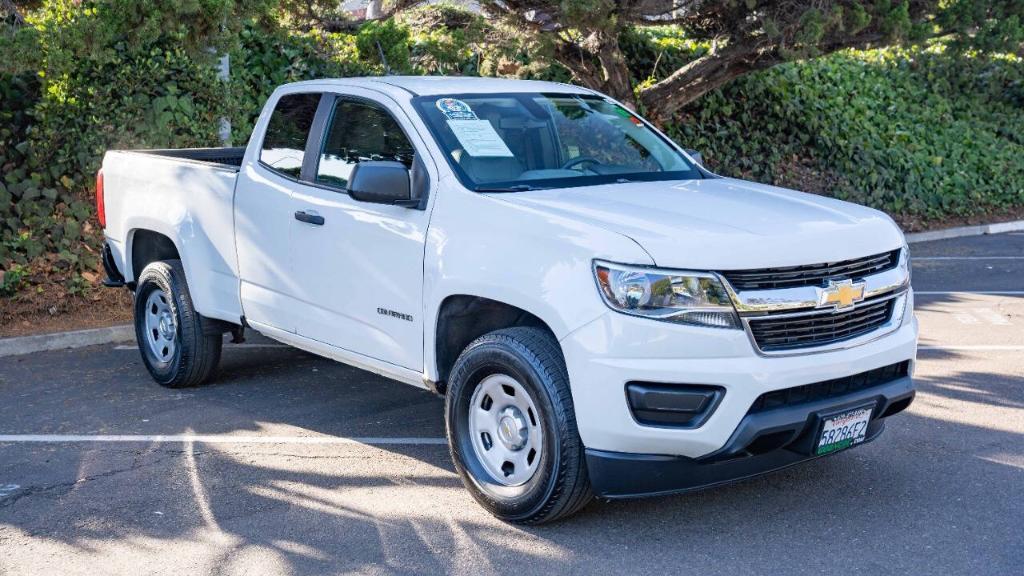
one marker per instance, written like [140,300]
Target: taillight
[101,209]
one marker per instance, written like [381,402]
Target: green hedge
[912,131]
[89,91]
[93,75]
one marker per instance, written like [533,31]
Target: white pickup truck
[603,315]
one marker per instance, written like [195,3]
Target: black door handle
[314,219]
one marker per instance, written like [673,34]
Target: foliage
[654,53]
[267,58]
[917,131]
[587,36]
[105,74]
[91,75]
[16,93]
[931,131]
[445,39]
[387,43]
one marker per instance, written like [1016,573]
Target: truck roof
[441,85]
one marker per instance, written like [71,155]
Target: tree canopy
[741,36]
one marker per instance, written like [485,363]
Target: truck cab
[603,315]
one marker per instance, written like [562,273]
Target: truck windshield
[528,141]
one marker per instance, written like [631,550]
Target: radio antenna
[383,59]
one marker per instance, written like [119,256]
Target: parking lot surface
[293,464]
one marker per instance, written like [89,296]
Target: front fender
[480,245]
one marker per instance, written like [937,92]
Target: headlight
[905,262]
[696,298]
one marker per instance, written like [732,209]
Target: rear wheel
[175,348]
[512,428]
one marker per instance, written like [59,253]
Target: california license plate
[843,430]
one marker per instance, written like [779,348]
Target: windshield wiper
[515,188]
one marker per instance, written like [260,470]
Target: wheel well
[463,319]
[149,247]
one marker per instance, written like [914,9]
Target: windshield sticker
[623,113]
[455,109]
[478,138]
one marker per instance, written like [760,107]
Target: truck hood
[723,223]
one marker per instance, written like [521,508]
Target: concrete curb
[77,339]
[1015,226]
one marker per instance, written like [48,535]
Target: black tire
[560,486]
[197,352]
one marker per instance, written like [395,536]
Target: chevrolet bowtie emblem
[842,294]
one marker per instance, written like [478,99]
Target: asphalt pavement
[299,465]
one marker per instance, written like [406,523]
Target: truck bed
[186,195]
[221,157]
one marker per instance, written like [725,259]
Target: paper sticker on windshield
[455,109]
[622,112]
[478,138]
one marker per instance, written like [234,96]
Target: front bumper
[615,349]
[763,442]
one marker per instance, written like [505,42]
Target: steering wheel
[580,160]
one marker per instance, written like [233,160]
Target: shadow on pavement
[931,495]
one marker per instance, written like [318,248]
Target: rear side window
[285,140]
[360,131]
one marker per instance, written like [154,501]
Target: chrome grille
[776,332]
[811,274]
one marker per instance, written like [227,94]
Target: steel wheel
[161,329]
[506,433]
[511,427]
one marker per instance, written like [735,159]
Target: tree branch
[717,68]
[307,10]
[9,7]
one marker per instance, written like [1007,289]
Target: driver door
[358,266]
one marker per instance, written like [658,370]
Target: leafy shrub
[911,131]
[267,58]
[17,190]
[104,74]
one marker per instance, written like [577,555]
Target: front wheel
[175,348]
[512,427]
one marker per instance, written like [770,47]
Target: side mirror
[381,182]
[696,157]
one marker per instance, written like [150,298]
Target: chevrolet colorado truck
[603,315]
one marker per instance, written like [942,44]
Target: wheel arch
[146,246]
[462,318]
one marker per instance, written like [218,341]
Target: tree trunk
[597,62]
[662,100]
[10,7]
[374,9]
[617,82]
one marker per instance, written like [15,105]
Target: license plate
[843,430]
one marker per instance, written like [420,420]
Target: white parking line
[979,347]
[922,258]
[992,317]
[218,439]
[968,292]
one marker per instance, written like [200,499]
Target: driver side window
[359,131]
